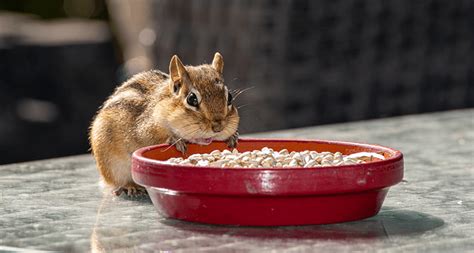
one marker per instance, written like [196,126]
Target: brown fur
[145,111]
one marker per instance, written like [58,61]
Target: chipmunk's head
[203,108]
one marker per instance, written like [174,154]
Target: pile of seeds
[268,158]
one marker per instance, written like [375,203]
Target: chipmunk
[191,104]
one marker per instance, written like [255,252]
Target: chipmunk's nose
[217,126]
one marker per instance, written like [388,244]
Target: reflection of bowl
[268,196]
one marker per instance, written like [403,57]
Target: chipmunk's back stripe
[132,106]
[161,74]
[140,88]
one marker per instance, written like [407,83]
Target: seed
[253,164]
[310,164]
[202,163]
[245,159]
[297,156]
[231,163]
[217,163]
[266,151]
[211,158]
[184,161]
[216,153]
[294,163]
[328,157]
[283,152]
[268,162]
[241,156]
[172,160]
[195,156]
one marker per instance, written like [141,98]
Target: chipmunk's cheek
[226,134]
[236,112]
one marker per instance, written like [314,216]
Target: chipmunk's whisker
[242,91]
[242,106]
[234,91]
[171,145]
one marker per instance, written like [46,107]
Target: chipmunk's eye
[192,100]
[229,98]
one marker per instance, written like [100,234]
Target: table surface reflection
[58,204]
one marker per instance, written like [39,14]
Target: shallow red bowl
[268,196]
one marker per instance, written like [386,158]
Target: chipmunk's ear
[218,62]
[177,73]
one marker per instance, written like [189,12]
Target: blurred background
[307,62]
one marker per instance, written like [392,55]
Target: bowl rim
[138,155]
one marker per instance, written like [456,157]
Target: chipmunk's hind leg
[119,177]
[122,177]
[113,160]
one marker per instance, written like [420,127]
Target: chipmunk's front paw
[179,143]
[233,140]
[181,146]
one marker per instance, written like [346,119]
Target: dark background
[307,62]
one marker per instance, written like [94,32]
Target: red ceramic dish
[267,196]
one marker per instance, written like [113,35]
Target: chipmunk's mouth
[201,141]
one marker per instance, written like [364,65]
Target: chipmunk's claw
[179,143]
[131,190]
[181,146]
[233,140]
